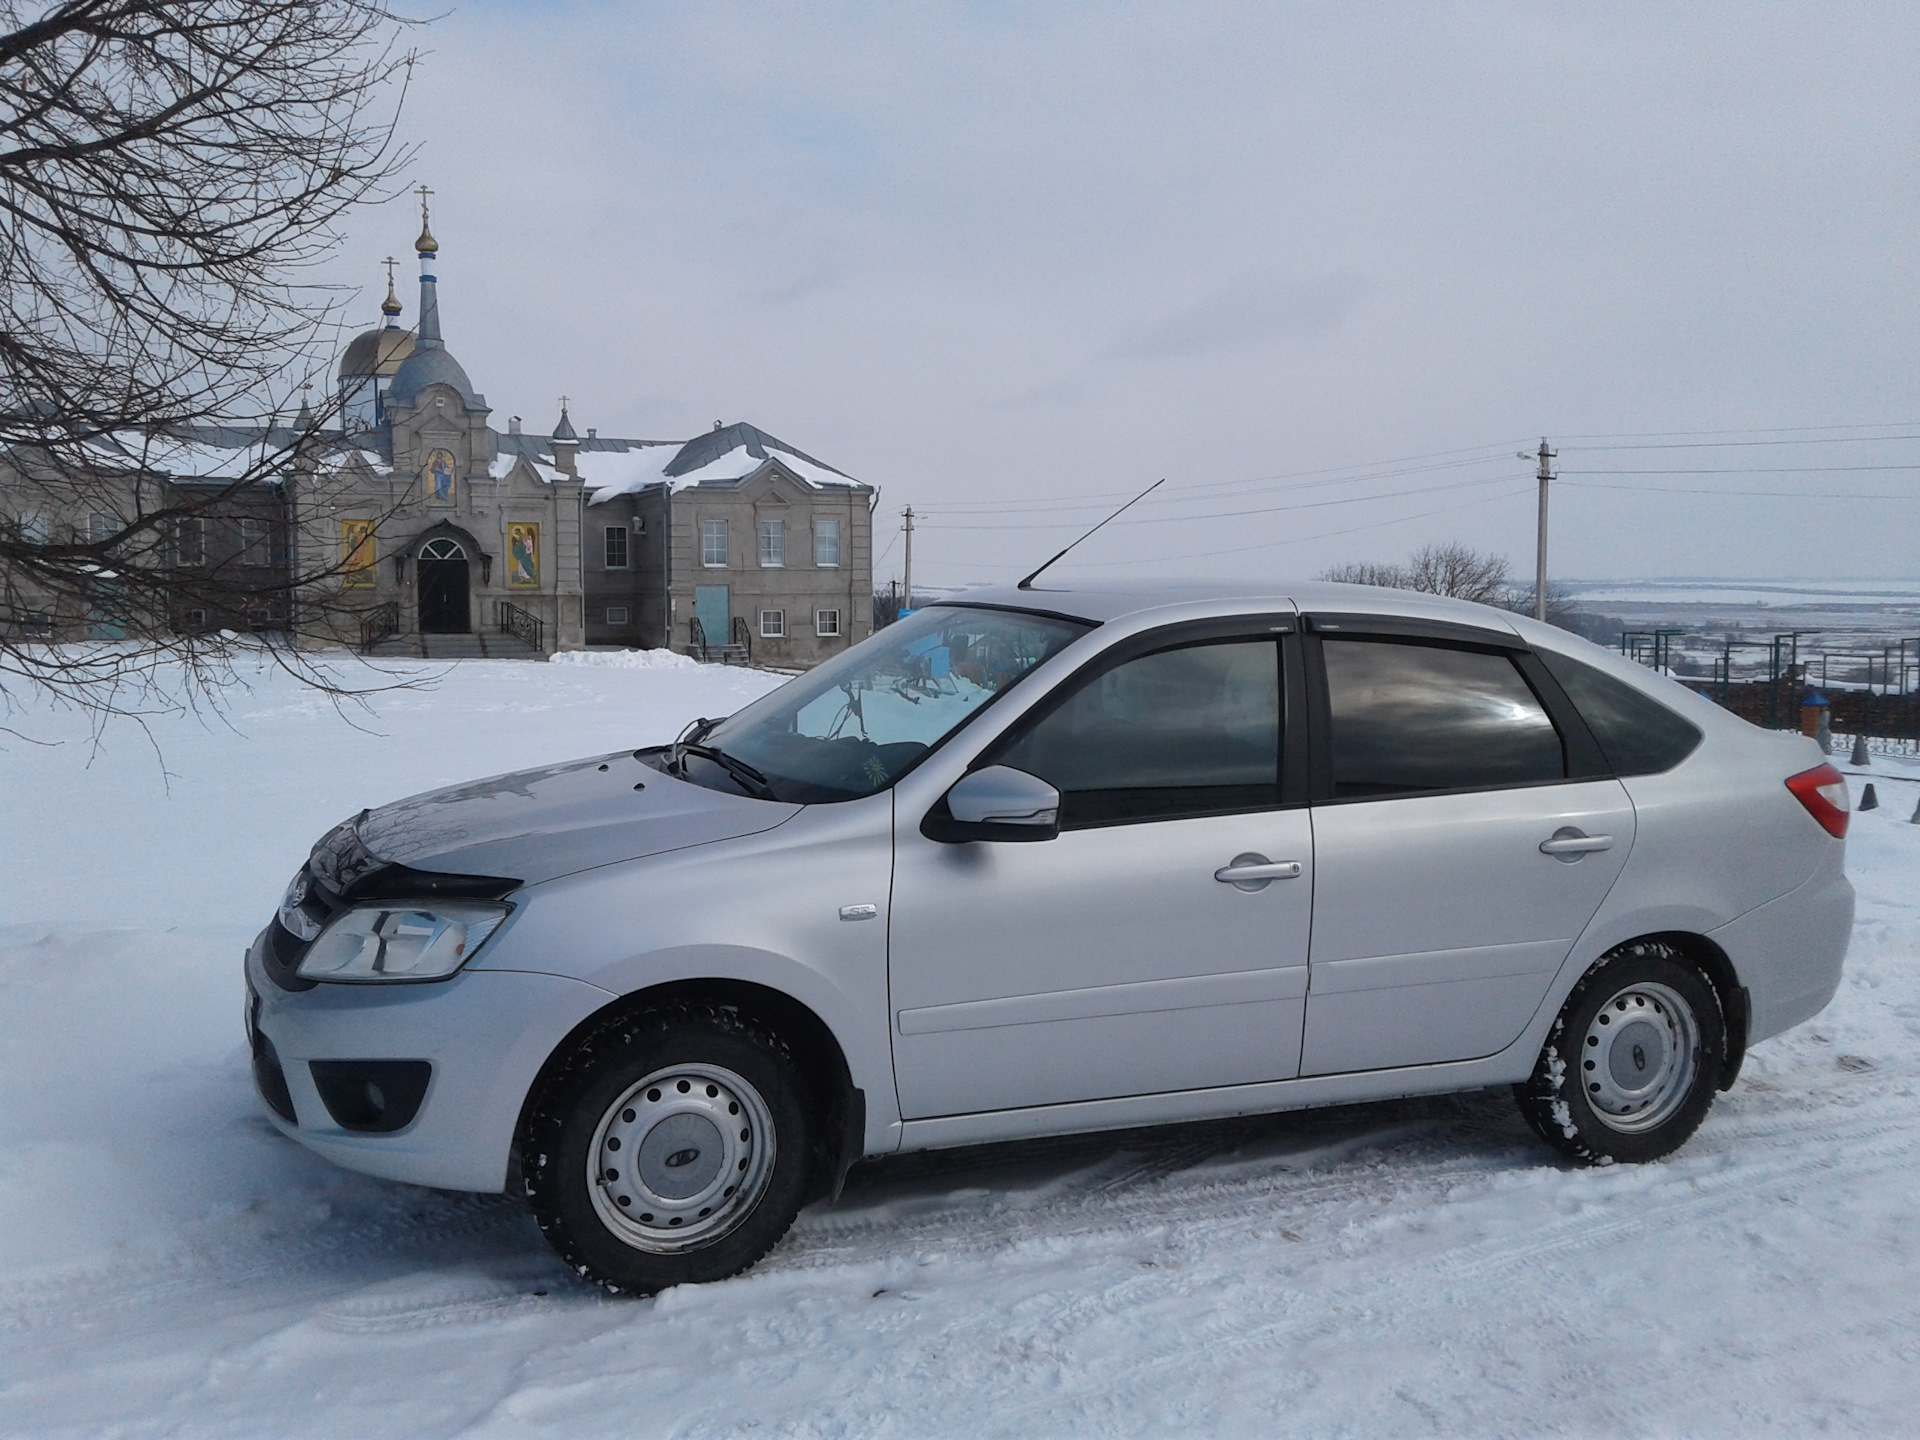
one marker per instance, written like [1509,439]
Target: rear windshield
[1637,734]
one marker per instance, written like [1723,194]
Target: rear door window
[1408,718]
[1637,734]
[1187,731]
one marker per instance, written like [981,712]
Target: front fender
[763,909]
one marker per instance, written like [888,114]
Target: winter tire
[1629,1068]
[669,1147]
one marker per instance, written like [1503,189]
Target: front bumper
[485,1032]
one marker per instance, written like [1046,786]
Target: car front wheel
[670,1147]
[1629,1069]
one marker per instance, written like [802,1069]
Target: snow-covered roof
[372,459]
[707,460]
[201,455]
[502,465]
[611,473]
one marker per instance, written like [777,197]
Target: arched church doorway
[444,604]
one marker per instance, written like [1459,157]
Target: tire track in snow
[1390,1283]
[1180,1192]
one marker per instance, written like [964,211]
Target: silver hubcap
[681,1158]
[1639,1057]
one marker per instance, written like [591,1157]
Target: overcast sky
[1008,261]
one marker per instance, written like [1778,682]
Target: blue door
[712,608]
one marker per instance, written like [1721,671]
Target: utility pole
[1540,561]
[906,588]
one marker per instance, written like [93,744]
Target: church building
[419,527]
[731,545]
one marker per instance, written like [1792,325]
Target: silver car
[1034,862]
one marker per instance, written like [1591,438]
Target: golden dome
[377,352]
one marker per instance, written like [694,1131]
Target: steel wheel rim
[681,1158]
[1639,1057]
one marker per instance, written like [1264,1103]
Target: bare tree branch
[171,171]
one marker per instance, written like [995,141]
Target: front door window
[1193,731]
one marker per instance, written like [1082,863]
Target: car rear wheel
[1629,1069]
[671,1146]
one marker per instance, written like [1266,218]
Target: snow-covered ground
[1769,592]
[169,1265]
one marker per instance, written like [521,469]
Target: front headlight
[426,940]
[293,912]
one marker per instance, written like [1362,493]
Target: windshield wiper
[742,774]
[696,730]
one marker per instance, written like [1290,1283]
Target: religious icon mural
[440,477]
[356,553]
[523,556]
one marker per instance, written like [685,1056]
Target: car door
[1465,832]
[1109,960]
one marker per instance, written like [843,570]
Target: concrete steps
[476,645]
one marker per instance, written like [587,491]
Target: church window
[713,542]
[99,526]
[773,544]
[773,624]
[826,544]
[826,622]
[616,547]
[253,542]
[616,614]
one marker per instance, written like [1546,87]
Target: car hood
[535,825]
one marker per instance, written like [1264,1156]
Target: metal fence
[1870,689]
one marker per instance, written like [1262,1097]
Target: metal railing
[523,624]
[1871,689]
[380,622]
[740,652]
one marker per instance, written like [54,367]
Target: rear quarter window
[1637,734]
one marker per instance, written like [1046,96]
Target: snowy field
[1756,592]
[171,1266]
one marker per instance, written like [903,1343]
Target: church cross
[389,262]
[423,193]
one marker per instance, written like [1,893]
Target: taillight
[1823,790]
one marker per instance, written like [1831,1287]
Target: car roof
[1105,603]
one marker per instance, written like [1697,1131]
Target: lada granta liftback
[1034,862]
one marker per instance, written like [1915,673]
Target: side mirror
[997,803]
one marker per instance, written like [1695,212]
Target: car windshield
[856,724]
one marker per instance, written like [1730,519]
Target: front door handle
[1256,872]
[1569,844]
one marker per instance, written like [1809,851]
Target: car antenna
[1027,584]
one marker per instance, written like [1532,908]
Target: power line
[1702,490]
[1748,430]
[1016,524]
[1735,444]
[1751,470]
[1477,455]
[1288,540]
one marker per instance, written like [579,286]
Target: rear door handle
[1256,872]
[1569,844]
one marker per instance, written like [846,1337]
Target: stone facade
[767,552]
